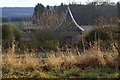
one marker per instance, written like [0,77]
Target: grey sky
[32,3]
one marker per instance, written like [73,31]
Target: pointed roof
[78,27]
[68,12]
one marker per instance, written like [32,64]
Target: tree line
[83,14]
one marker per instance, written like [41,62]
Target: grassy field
[94,64]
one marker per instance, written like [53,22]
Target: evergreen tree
[38,12]
[48,7]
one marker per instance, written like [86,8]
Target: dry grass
[61,60]
[93,57]
[10,60]
[32,65]
[29,61]
[96,59]
[29,65]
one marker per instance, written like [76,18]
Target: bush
[45,45]
[50,45]
[10,32]
[95,38]
[96,34]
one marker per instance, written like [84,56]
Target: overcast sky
[32,3]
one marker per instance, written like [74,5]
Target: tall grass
[32,65]
[92,57]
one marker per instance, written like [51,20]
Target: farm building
[68,30]
[29,33]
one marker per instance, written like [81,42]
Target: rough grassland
[61,65]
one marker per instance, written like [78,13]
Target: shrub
[95,34]
[96,38]
[46,45]
[50,45]
[9,32]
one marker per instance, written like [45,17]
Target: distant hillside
[13,12]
